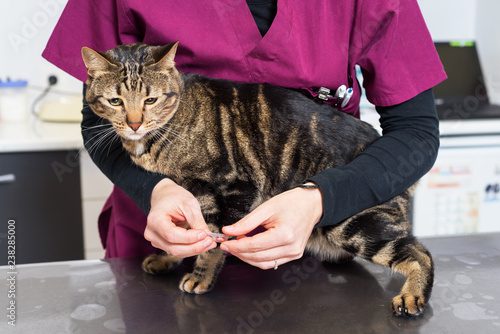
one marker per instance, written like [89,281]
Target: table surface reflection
[305,296]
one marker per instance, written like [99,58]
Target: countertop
[457,133]
[305,296]
[35,135]
[469,133]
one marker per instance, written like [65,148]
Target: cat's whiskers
[187,104]
[183,127]
[175,133]
[103,131]
[98,133]
[101,138]
[88,128]
[166,129]
[159,136]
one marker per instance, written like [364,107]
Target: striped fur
[236,145]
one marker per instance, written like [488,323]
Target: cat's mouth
[133,135]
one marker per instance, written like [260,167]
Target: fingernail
[229,228]
[202,236]
[208,242]
[224,247]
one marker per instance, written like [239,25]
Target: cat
[235,145]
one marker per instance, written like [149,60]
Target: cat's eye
[115,102]
[151,100]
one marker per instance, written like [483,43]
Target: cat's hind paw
[159,264]
[408,305]
[192,283]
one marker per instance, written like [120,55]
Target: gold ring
[275,264]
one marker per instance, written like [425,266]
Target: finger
[173,227]
[179,249]
[249,223]
[179,235]
[261,257]
[290,252]
[256,243]
[183,251]
[268,264]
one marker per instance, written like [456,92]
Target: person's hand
[289,219]
[173,209]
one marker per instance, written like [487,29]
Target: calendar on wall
[460,194]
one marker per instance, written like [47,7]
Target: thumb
[257,217]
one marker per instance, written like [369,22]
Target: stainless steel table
[305,296]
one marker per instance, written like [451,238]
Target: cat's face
[136,87]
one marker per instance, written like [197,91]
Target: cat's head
[135,86]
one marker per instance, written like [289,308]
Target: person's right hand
[173,209]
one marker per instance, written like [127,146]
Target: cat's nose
[134,125]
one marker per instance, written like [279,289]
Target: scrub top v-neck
[255,47]
[263,12]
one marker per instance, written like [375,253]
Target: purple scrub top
[310,44]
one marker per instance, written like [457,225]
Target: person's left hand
[289,219]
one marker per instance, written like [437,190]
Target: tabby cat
[235,146]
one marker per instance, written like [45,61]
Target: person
[296,44]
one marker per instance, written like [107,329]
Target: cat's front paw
[158,264]
[192,283]
[408,305]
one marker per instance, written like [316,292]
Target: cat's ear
[165,56]
[95,62]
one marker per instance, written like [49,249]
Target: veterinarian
[297,44]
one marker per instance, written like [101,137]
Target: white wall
[25,28]
[488,39]
[450,19]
